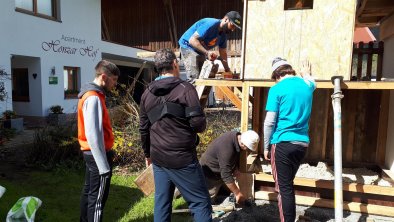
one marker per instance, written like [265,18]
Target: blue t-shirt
[291,99]
[208,30]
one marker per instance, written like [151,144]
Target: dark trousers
[285,161]
[190,182]
[95,190]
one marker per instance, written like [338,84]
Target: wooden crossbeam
[145,54]
[327,184]
[319,84]
[231,96]
[320,202]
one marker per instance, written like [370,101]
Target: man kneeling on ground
[220,161]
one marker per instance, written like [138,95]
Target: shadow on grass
[60,195]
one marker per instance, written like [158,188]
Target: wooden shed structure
[318,30]
[322,32]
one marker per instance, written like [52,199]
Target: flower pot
[57,119]
[16,123]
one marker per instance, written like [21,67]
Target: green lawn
[60,192]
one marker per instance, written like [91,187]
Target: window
[41,8]
[298,4]
[20,85]
[71,82]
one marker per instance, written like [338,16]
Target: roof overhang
[372,12]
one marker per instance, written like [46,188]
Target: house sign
[61,46]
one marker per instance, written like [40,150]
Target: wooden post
[359,60]
[258,114]
[244,122]
[380,61]
[369,61]
[382,128]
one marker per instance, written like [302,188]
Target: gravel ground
[350,175]
[268,211]
[264,210]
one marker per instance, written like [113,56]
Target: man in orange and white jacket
[96,140]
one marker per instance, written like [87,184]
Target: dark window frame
[75,83]
[292,5]
[34,12]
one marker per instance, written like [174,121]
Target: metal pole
[336,105]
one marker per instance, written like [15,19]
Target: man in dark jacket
[169,139]
[220,161]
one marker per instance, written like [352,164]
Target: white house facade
[50,48]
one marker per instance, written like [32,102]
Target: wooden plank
[319,202]
[145,181]
[246,184]
[328,184]
[147,54]
[382,129]
[258,115]
[231,96]
[320,84]
[318,125]
[349,123]
[369,148]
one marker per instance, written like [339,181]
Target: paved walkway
[23,138]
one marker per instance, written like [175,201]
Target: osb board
[323,35]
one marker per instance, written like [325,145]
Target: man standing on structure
[289,106]
[202,36]
[170,118]
[220,162]
[96,140]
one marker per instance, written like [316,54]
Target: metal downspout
[336,105]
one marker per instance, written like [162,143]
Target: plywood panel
[322,35]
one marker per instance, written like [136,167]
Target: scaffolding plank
[327,184]
[319,202]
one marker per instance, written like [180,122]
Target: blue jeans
[190,182]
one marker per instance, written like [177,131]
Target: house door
[20,85]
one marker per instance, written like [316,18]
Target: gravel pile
[350,175]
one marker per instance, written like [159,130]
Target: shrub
[3,77]
[54,146]
[56,109]
[218,122]
[9,114]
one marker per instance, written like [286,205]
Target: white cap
[278,62]
[250,139]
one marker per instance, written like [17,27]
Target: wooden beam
[258,115]
[244,123]
[328,184]
[231,96]
[319,202]
[382,128]
[246,184]
[319,84]
[147,54]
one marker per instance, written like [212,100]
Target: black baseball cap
[235,18]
